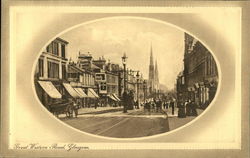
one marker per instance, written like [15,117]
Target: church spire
[151,55]
[151,70]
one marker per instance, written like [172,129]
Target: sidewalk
[98,110]
[169,112]
[176,122]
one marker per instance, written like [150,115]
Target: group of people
[156,105]
[188,108]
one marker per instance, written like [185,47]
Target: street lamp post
[144,88]
[137,79]
[124,58]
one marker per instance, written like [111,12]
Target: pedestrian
[153,105]
[158,105]
[96,104]
[188,108]
[185,106]
[181,109]
[193,107]
[165,105]
[75,108]
[149,107]
[136,104]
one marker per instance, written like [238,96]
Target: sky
[112,37]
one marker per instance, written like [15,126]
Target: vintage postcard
[148,81]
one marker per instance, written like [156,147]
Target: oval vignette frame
[138,18]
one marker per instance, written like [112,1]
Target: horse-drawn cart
[62,108]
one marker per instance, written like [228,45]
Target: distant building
[180,87]
[106,80]
[85,60]
[83,82]
[131,80]
[200,75]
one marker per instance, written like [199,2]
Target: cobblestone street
[112,122]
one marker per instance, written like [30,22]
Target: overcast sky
[112,37]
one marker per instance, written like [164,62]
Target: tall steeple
[151,70]
[151,56]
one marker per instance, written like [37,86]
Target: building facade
[199,79]
[81,80]
[51,73]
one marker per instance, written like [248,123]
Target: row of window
[211,68]
[53,48]
[112,79]
[52,69]
[87,79]
[112,89]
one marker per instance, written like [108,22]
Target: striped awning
[92,93]
[112,97]
[116,97]
[50,89]
[81,92]
[71,90]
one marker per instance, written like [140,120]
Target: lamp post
[144,88]
[137,79]
[124,59]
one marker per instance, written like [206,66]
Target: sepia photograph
[125,79]
[147,79]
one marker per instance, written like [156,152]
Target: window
[49,48]
[182,80]
[63,50]
[53,70]
[103,86]
[64,73]
[55,48]
[40,67]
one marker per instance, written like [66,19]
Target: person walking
[165,105]
[193,107]
[147,106]
[96,104]
[158,105]
[188,108]
[136,104]
[153,105]
[75,108]
[185,106]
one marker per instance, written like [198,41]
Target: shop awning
[71,90]
[92,93]
[112,97]
[50,89]
[81,92]
[116,97]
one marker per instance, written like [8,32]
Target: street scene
[130,83]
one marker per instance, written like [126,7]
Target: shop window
[53,70]
[64,73]
[40,67]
